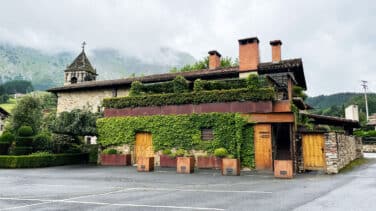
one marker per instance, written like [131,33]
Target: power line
[364,84]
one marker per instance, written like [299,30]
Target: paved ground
[111,188]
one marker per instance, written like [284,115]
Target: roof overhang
[335,121]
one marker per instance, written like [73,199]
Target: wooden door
[313,151]
[263,146]
[143,146]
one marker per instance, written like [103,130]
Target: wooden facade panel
[263,146]
[143,146]
[282,106]
[313,151]
[271,118]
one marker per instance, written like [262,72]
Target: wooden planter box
[210,162]
[115,160]
[185,165]
[167,161]
[145,164]
[283,169]
[230,167]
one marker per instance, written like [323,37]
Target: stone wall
[80,99]
[340,150]
[369,147]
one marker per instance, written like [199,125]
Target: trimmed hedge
[35,161]
[202,85]
[4,148]
[230,130]
[25,131]
[178,85]
[21,150]
[262,94]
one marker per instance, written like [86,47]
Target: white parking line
[46,201]
[203,190]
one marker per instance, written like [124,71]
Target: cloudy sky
[335,39]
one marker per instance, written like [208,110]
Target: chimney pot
[214,59]
[249,56]
[276,50]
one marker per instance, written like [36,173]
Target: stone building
[276,136]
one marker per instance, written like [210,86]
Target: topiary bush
[42,142]
[25,131]
[110,152]
[220,152]
[21,150]
[166,152]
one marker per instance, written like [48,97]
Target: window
[73,80]
[207,134]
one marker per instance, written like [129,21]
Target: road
[122,188]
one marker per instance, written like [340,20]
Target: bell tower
[80,70]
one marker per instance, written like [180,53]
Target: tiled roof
[230,72]
[331,120]
[293,66]
[3,112]
[81,62]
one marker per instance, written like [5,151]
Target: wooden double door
[143,146]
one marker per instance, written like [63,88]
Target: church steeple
[80,69]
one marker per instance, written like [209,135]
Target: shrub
[4,148]
[62,143]
[20,150]
[24,141]
[166,152]
[92,149]
[42,160]
[192,97]
[25,131]
[230,156]
[180,152]
[180,84]
[7,137]
[110,152]
[136,88]
[41,153]
[202,85]
[42,142]
[255,82]
[220,152]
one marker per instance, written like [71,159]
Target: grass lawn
[8,106]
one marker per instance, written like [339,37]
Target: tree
[18,86]
[75,123]
[204,64]
[28,111]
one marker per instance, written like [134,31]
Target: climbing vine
[230,130]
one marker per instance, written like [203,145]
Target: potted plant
[230,164]
[111,157]
[185,163]
[209,162]
[167,159]
[145,164]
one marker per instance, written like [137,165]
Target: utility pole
[365,87]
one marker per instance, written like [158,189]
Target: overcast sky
[336,39]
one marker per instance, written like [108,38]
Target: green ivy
[262,94]
[230,130]
[201,85]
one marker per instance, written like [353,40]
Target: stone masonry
[340,150]
[92,99]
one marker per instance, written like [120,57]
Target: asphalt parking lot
[122,188]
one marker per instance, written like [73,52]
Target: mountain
[334,105]
[45,70]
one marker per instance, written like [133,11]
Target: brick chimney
[249,56]
[214,59]
[276,50]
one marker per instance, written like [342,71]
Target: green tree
[18,86]
[28,111]
[75,123]
[204,64]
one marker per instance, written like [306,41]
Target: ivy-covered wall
[183,131]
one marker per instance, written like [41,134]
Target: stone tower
[80,70]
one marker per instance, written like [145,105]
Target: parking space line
[203,190]
[46,201]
